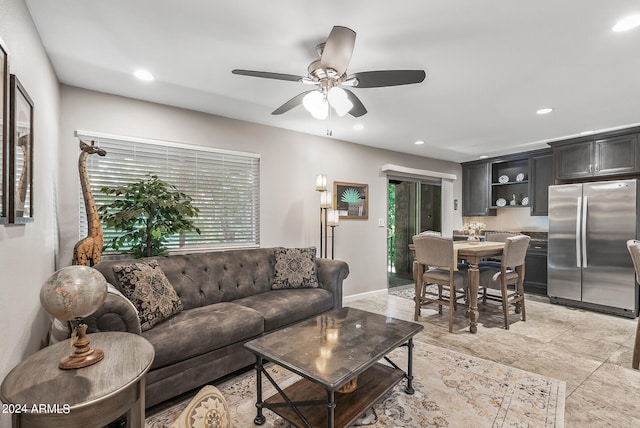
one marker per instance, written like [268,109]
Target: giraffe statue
[88,250]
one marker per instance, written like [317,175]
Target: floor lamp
[321,186]
[325,206]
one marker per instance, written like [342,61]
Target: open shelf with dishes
[510,184]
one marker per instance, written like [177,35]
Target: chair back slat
[434,251]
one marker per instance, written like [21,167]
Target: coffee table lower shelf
[372,385]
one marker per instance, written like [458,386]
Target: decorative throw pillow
[208,409]
[149,290]
[295,268]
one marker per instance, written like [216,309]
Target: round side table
[38,394]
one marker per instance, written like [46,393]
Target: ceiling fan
[328,75]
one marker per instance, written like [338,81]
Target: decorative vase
[473,238]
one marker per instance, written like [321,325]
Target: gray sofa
[227,300]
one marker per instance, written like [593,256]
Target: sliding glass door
[414,206]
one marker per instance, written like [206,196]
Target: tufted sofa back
[202,279]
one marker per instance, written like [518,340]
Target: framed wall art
[4,130]
[351,200]
[20,154]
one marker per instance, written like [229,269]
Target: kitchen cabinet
[597,157]
[540,178]
[535,268]
[497,182]
[475,189]
[510,183]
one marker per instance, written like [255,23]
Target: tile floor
[590,351]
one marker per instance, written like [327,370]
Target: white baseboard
[351,298]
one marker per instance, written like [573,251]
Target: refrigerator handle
[578,242]
[585,205]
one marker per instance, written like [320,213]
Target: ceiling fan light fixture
[315,104]
[339,101]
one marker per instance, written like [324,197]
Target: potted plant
[148,211]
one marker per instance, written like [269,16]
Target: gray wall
[289,163]
[27,253]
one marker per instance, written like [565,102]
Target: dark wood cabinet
[573,161]
[514,181]
[535,268]
[540,178]
[617,155]
[596,157]
[475,189]
[510,182]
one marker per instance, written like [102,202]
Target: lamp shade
[333,218]
[339,101]
[321,182]
[315,104]
[73,292]
[326,200]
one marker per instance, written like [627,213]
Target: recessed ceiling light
[627,23]
[587,132]
[419,142]
[358,127]
[545,110]
[483,156]
[143,75]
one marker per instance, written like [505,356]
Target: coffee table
[330,352]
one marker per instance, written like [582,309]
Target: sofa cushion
[200,330]
[295,268]
[283,307]
[147,287]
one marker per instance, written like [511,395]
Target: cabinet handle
[590,170]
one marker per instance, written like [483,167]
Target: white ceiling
[490,64]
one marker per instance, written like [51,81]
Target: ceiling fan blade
[293,102]
[338,49]
[378,79]
[358,108]
[268,75]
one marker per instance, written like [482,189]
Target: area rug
[405,292]
[452,390]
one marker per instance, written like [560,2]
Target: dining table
[472,253]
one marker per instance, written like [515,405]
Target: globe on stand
[71,294]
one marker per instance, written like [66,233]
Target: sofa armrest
[331,274]
[115,314]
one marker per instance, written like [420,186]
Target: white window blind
[224,185]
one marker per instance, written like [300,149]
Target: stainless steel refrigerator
[589,265]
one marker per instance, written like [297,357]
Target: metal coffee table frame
[375,379]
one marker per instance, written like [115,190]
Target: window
[224,185]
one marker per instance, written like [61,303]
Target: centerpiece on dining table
[473,229]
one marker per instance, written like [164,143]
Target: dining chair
[510,273]
[634,249]
[498,236]
[437,255]
[495,237]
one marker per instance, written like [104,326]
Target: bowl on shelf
[503,179]
[501,202]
